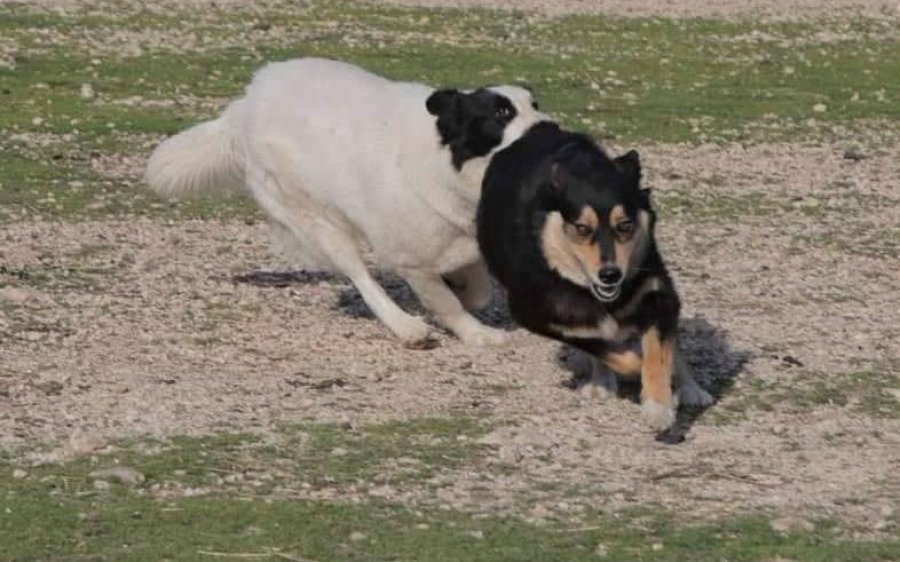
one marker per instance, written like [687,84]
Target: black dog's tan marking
[569,233]
[656,368]
[627,363]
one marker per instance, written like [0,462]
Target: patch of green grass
[718,207]
[82,278]
[879,393]
[636,80]
[412,450]
[874,393]
[60,512]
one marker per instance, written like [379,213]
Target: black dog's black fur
[472,124]
[517,195]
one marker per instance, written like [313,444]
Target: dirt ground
[789,9]
[145,327]
[769,9]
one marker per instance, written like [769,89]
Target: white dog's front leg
[440,299]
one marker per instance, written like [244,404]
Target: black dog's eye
[503,112]
[625,227]
[583,230]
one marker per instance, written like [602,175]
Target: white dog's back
[348,140]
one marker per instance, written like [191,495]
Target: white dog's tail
[206,157]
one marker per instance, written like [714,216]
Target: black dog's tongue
[671,436]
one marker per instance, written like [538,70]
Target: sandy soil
[126,328]
[767,9]
[789,9]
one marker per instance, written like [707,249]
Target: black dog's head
[473,124]
[598,221]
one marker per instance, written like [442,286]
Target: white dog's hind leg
[344,255]
[297,251]
[472,284]
[316,229]
[440,299]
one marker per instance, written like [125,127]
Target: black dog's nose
[610,274]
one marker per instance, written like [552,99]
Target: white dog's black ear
[440,101]
[630,165]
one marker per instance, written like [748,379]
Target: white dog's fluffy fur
[348,163]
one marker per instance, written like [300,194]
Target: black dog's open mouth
[605,293]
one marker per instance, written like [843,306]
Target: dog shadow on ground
[351,303]
[713,362]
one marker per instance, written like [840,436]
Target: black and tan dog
[569,233]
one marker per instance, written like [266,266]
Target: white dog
[347,163]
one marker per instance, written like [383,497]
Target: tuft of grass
[874,393]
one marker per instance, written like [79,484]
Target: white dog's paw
[657,416]
[481,335]
[412,330]
[691,395]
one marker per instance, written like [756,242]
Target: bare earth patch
[766,9]
[785,255]
[772,9]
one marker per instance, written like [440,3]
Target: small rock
[422,526]
[854,153]
[19,474]
[101,485]
[477,534]
[779,429]
[87,91]
[791,524]
[820,108]
[15,294]
[328,383]
[601,550]
[657,546]
[233,478]
[356,536]
[83,444]
[338,452]
[792,361]
[124,474]
[37,121]
[539,512]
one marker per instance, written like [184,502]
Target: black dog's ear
[630,164]
[441,100]
[558,168]
[556,179]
